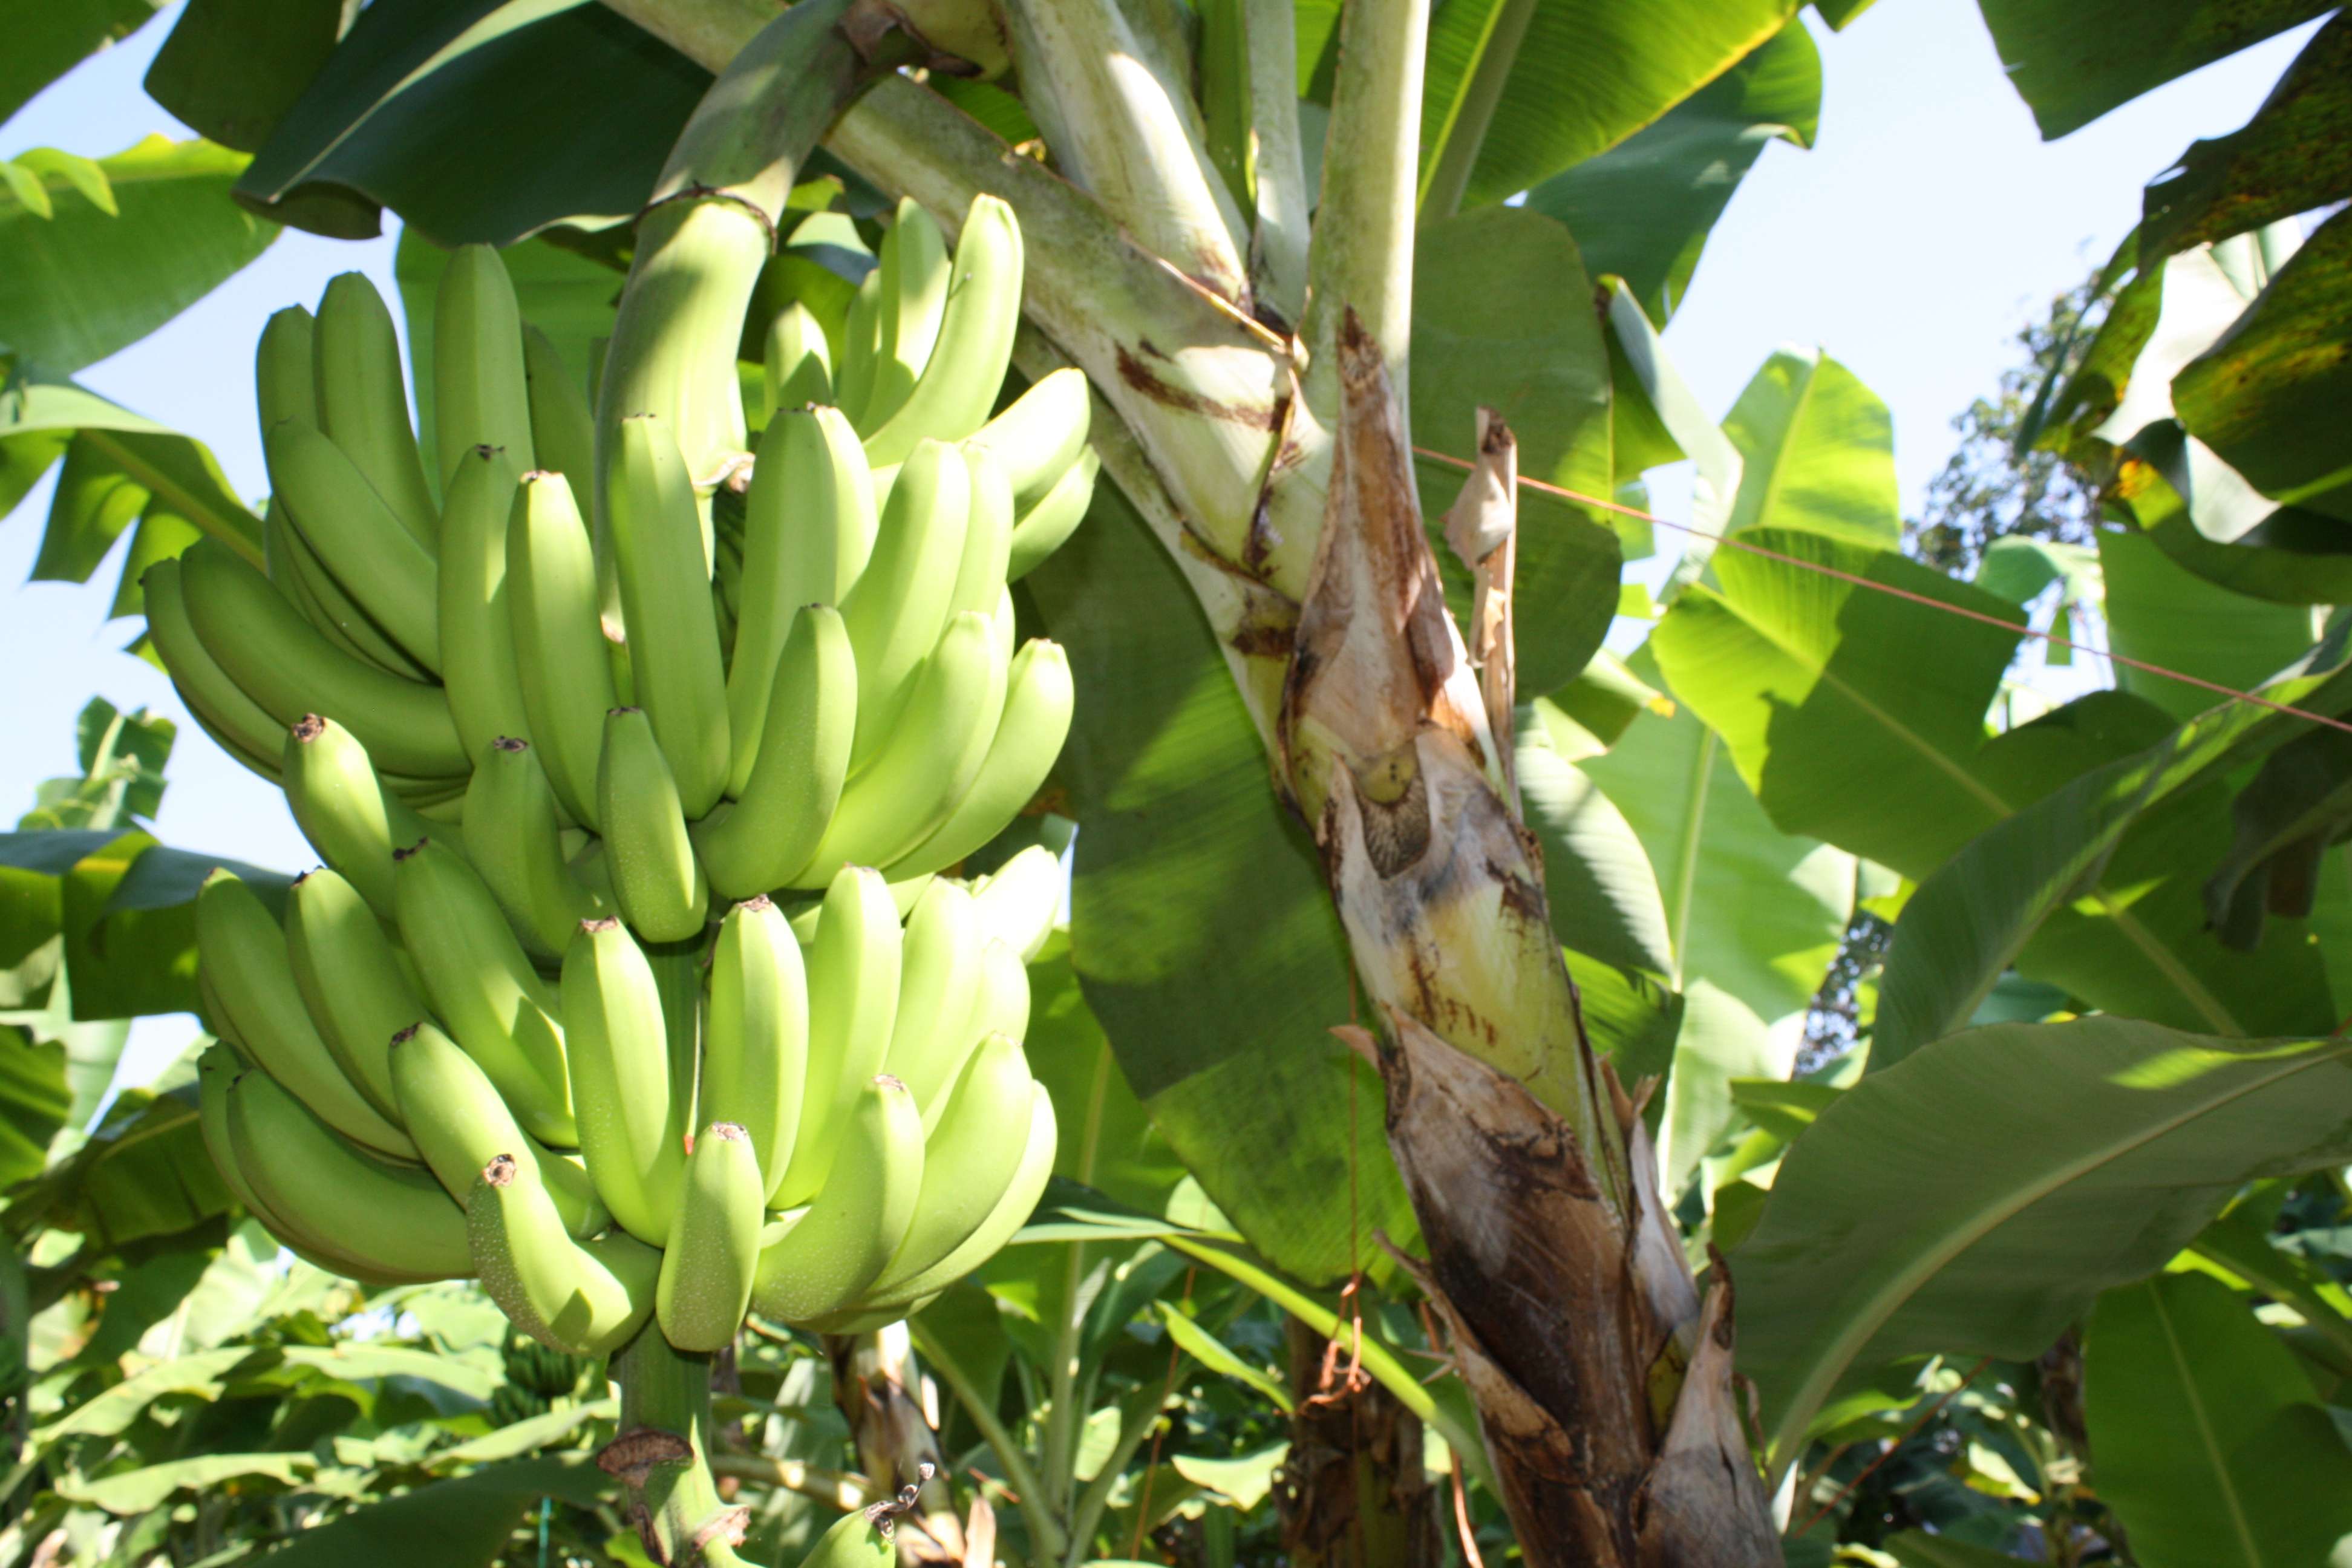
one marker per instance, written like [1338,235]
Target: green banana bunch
[533,755]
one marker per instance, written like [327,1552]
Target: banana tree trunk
[1275,466]
[1352,1492]
[895,1440]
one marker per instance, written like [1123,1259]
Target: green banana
[1000,1007]
[968,1161]
[481,985]
[478,643]
[939,981]
[1053,517]
[240,945]
[659,883]
[481,395]
[563,426]
[561,661]
[714,1242]
[1019,902]
[664,586]
[1039,700]
[756,841]
[514,839]
[853,967]
[755,1035]
[335,1196]
[900,603]
[343,807]
[383,570]
[823,1260]
[913,295]
[583,1299]
[853,1542]
[799,369]
[910,784]
[351,979]
[632,1118]
[952,397]
[285,381]
[454,1113]
[305,580]
[987,536]
[1010,1212]
[240,725]
[363,404]
[263,644]
[861,350]
[808,527]
[1040,434]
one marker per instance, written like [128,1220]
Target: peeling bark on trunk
[1352,1490]
[896,1442]
[1604,1387]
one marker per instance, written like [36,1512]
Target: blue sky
[1927,225]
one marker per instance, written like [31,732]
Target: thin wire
[1736,542]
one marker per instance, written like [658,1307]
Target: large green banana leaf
[41,41]
[1518,90]
[1977,1197]
[1818,448]
[2290,158]
[2212,1448]
[1200,925]
[2274,396]
[96,255]
[1642,209]
[1488,330]
[2161,613]
[2073,60]
[2201,512]
[231,68]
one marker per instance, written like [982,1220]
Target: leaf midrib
[2205,1437]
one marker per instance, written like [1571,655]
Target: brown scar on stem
[1145,380]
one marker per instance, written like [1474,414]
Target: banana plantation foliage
[984,893]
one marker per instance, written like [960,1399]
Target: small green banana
[244,729]
[514,839]
[808,527]
[560,658]
[970,1161]
[351,980]
[343,809]
[1011,1212]
[1000,1007]
[279,659]
[655,877]
[304,579]
[1040,434]
[1050,520]
[853,1542]
[987,537]
[241,946]
[1020,901]
[397,1216]
[349,529]
[957,387]
[563,426]
[900,603]
[714,1242]
[912,298]
[853,966]
[477,645]
[285,381]
[363,402]
[481,395]
[861,351]
[583,1299]
[755,1035]
[630,1116]
[799,369]
[909,786]
[663,573]
[938,982]
[825,1259]
[454,1113]
[1039,700]
[756,841]
[482,986]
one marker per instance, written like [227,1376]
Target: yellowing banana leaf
[2211,1446]
[476,120]
[1488,330]
[2204,515]
[1200,926]
[1976,1197]
[1518,90]
[90,266]
[2072,63]
[1642,209]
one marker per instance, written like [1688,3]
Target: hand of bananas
[497,1035]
